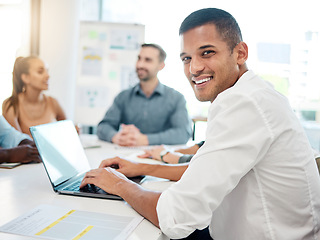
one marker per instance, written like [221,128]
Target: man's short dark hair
[225,23]
[162,53]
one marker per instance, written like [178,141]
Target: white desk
[27,186]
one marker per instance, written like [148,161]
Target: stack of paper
[50,222]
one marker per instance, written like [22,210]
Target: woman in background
[28,105]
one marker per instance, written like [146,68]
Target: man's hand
[153,153]
[130,135]
[23,153]
[113,181]
[107,179]
[111,174]
[126,167]
[27,142]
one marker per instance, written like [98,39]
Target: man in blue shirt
[15,146]
[150,113]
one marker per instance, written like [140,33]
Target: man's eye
[186,60]
[208,52]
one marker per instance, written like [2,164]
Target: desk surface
[27,186]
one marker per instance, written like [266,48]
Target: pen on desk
[94,146]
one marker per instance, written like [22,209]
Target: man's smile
[202,80]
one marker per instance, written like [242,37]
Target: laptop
[65,161]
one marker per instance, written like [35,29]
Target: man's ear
[161,66]
[242,51]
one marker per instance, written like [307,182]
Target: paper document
[51,222]
[9,165]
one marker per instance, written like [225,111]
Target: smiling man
[212,67]
[150,113]
[255,177]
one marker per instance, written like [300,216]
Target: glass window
[90,10]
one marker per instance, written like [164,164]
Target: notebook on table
[64,159]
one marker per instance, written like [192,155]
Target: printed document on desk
[51,222]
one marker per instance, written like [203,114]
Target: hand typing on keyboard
[89,188]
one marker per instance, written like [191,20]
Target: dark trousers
[199,234]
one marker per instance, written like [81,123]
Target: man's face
[148,64]
[208,62]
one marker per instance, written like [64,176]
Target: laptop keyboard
[88,188]
[73,187]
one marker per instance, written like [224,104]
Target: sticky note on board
[112,75]
[93,34]
[103,37]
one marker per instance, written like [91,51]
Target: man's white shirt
[254,178]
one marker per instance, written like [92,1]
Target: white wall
[59,34]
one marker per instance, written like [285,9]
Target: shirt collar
[247,75]
[158,90]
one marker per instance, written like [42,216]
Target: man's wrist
[172,157]
[145,140]
[122,186]
[115,139]
[147,169]
[163,153]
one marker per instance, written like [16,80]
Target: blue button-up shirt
[163,116]
[9,136]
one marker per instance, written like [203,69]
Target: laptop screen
[60,149]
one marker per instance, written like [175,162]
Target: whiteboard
[106,65]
